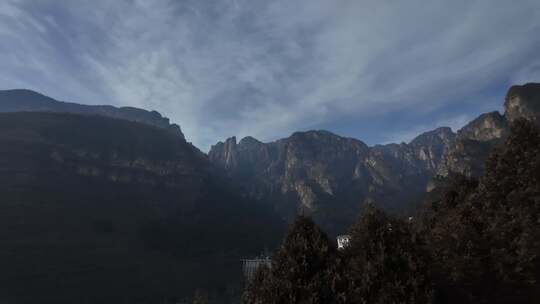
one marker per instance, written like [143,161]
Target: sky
[379,71]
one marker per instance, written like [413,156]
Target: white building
[343,241]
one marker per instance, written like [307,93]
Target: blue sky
[380,71]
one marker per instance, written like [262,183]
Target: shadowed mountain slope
[100,210]
[30,101]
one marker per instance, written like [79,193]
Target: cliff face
[329,176]
[30,101]
[467,154]
[108,149]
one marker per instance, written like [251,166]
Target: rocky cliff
[473,143]
[329,176]
[467,153]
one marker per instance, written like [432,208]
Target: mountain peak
[20,92]
[314,134]
[23,97]
[224,153]
[441,134]
[523,101]
[249,141]
[488,126]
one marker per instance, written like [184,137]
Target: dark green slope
[98,210]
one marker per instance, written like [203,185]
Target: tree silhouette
[479,242]
[385,262]
[484,236]
[509,194]
[300,268]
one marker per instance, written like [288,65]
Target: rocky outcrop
[329,176]
[225,153]
[523,101]
[429,146]
[474,142]
[30,101]
[469,150]
[486,127]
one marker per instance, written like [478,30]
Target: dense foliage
[478,242]
[485,234]
[300,268]
[385,262]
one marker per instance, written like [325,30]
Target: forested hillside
[478,241]
[329,176]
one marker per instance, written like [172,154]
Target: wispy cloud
[267,68]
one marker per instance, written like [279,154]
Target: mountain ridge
[310,170]
[317,171]
[22,100]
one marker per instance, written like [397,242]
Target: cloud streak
[268,68]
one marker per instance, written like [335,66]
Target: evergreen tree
[385,262]
[484,237]
[454,234]
[478,243]
[299,271]
[509,194]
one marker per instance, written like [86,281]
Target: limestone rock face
[295,172]
[225,153]
[30,101]
[329,176]
[469,150]
[486,127]
[429,147]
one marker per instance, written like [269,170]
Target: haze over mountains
[98,196]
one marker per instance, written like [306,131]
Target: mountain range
[99,201]
[329,177]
